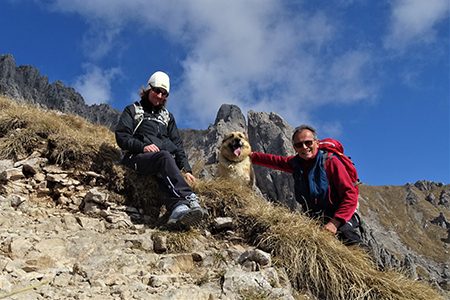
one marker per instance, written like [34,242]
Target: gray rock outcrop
[269,133]
[26,84]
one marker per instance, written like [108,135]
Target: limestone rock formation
[25,84]
[269,133]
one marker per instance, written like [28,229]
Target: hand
[151,148]
[189,177]
[333,225]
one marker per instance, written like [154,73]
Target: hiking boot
[184,217]
[194,202]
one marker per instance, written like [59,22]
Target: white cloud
[255,54]
[333,129]
[95,84]
[98,42]
[262,57]
[349,77]
[414,21]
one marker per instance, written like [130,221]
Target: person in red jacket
[327,193]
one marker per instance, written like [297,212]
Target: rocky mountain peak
[26,84]
[232,116]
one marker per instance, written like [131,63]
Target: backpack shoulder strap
[138,115]
[326,155]
[165,116]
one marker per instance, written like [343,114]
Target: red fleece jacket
[337,177]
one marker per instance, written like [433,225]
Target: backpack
[139,116]
[332,147]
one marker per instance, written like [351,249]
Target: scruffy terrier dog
[234,159]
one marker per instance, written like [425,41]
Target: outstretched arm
[276,162]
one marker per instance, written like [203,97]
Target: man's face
[305,145]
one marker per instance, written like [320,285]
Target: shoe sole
[190,219]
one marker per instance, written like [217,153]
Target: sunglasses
[300,144]
[158,91]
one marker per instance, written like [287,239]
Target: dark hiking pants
[172,184]
[349,233]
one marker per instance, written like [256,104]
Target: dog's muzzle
[235,146]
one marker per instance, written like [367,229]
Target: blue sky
[373,74]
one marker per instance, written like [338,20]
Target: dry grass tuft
[74,144]
[181,241]
[223,198]
[142,191]
[67,140]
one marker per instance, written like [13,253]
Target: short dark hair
[300,129]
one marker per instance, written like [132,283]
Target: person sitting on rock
[148,133]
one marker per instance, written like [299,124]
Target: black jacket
[154,129]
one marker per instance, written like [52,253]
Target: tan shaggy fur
[234,159]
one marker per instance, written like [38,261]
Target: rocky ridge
[26,85]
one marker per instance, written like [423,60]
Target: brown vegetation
[410,221]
